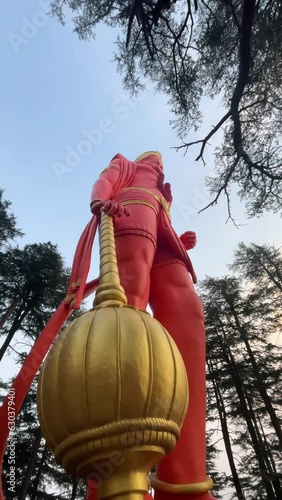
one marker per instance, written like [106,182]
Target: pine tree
[242,364]
[38,476]
[33,282]
[8,224]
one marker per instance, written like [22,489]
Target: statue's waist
[141,195]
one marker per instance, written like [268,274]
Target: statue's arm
[103,191]
[103,187]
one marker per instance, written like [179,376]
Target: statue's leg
[176,305]
[135,255]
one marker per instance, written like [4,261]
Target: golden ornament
[113,391]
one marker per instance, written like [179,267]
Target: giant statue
[154,269]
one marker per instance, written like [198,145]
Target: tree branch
[205,140]
[223,187]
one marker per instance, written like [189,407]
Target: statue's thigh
[141,222]
[173,298]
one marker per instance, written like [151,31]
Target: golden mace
[113,392]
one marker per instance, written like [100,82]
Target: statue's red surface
[154,269]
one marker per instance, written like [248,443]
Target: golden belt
[162,201]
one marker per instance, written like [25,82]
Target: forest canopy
[190,49]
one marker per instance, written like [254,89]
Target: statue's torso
[146,177]
[142,197]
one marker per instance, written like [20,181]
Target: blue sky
[56,92]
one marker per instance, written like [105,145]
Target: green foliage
[244,368]
[47,480]
[190,50]
[34,273]
[33,282]
[8,223]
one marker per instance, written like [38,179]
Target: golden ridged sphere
[114,379]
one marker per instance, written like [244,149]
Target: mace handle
[109,292]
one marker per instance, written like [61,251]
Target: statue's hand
[188,239]
[110,207]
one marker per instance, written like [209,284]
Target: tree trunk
[269,451]
[263,392]
[225,433]
[270,474]
[272,278]
[21,314]
[31,465]
[74,488]
[260,384]
[238,383]
[9,311]
[34,495]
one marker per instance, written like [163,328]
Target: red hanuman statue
[155,269]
